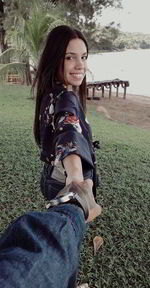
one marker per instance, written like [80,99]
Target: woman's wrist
[73,168]
[74,178]
[74,175]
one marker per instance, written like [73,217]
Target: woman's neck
[69,88]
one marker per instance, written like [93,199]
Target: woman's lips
[77,75]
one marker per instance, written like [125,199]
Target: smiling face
[75,62]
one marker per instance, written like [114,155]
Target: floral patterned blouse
[64,130]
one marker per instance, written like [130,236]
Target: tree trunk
[28,74]
[3,42]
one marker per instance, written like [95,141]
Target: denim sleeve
[41,249]
[69,134]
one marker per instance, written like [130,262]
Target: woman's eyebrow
[73,53]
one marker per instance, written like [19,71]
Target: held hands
[73,167]
[93,208]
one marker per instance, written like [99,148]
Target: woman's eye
[84,57]
[68,58]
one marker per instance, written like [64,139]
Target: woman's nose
[79,63]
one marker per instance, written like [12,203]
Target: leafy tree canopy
[77,13]
[81,12]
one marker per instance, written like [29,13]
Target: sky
[134,17]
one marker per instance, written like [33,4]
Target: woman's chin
[75,83]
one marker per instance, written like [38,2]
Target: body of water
[131,65]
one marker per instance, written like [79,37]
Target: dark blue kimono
[63,131]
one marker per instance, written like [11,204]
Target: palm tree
[27,39]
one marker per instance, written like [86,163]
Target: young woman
[64,138]
[60,127]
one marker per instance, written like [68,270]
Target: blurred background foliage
[24,26]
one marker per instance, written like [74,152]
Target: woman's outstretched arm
[73,168]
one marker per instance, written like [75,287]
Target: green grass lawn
[124,192]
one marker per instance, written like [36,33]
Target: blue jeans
[41,249]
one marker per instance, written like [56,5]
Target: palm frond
[28,34]
[11,55]
[36,30]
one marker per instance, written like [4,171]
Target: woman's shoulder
[58,92]
[59,99]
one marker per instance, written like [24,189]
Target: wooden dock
[106,84]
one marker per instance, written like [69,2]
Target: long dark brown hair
[51,60]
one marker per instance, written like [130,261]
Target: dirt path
[134,110]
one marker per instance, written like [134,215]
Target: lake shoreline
[134,110]
[134,97]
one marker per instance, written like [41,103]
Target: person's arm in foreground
[41,249]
